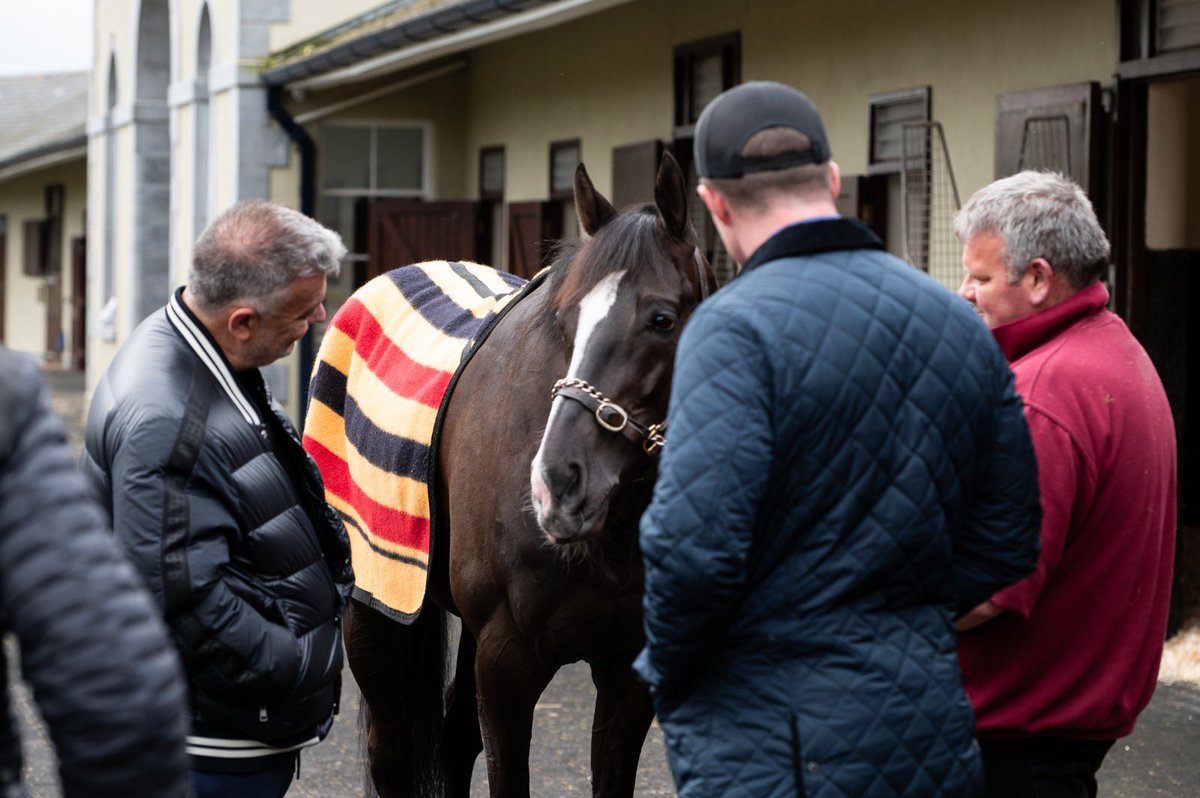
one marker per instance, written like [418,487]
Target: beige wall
[1173,165]
[23,198]
[609,77]
[606,79]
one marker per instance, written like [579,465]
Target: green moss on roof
[381,18]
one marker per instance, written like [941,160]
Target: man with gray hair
[1059,665]
[218,506]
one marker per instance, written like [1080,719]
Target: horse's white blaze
[593,309]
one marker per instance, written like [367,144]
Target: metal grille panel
[930,202]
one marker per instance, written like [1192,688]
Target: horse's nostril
[565,482]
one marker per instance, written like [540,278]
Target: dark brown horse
[542,496]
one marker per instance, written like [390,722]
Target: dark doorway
[78,303]
[1157,255]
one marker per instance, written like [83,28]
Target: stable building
[451,129]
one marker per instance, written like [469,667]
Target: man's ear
[1040,281]
[243,322]
[715,202]
[835,179]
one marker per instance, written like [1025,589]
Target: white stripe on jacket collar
[202,344]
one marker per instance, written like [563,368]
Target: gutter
[416,30]
[449,30]
[308,168]
[44,155]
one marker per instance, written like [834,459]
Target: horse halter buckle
[607,408]
[610,415]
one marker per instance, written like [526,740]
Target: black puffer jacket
[92,646]
[223,514]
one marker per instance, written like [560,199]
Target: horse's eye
[663,322]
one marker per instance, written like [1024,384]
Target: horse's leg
[623,715]
[398,668]
[463,741]
[510,679]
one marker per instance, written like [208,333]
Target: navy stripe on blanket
[424,296]
[392,453]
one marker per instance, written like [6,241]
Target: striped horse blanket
[379,388]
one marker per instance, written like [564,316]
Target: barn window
[1178,24]
[564,157]
[703,70]
[491,173]
[360,161]
[889,113]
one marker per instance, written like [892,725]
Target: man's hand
[981,614]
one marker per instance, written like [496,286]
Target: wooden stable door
[78,303]
[401,232]
[533,227]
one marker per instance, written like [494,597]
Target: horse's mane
[632,239]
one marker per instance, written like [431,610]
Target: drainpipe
[308,164]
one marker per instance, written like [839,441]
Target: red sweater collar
[1018,338]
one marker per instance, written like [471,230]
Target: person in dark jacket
[846,471]
[104,675]
[217,504]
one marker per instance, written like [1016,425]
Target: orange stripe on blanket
[388,362]
[384,522]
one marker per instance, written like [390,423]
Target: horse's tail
[364,753]
[401,671]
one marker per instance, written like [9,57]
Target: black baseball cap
[733,116]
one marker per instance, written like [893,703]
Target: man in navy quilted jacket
[847,471]
[1059,665]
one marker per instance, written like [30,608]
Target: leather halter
[611,415]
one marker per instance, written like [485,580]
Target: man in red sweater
[1058,665]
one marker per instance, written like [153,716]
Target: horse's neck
[529,331]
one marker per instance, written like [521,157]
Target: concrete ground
[1160,758]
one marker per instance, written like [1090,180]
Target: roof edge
[43,155]
[420,29]
[42,150]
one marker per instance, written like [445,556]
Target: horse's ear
[670,194]
[593,209]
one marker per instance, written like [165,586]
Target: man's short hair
[254,250]
[1039,215]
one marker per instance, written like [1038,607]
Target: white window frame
[374,125]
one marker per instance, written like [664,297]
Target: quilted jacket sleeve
[1063,480]
[96,655]
[177,526]
[998,543]
[696,534]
